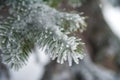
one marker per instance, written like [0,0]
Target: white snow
[33,70]
[112,17]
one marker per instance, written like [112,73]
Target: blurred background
[102,41]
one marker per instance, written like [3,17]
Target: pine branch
[36,24]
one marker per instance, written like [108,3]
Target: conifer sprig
[36,24]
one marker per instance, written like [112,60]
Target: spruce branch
[36,24]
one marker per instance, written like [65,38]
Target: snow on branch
[36,24]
